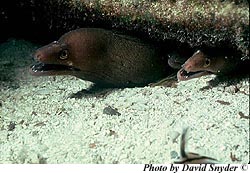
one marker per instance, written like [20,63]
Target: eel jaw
[42,69]
[183,75]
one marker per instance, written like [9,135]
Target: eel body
[103,57]
[201,64]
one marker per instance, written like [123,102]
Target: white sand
[40,123]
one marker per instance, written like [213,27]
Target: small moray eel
[103,57]
[191,158]
[175,60]
[200,64]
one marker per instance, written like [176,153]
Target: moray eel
[175,60]
[103,57]
[192,158]
[200,64]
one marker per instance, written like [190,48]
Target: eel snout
[196,66]
[48,59]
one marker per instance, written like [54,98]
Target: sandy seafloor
[42,119]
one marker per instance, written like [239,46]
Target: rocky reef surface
[192,24]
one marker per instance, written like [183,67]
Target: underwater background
[54,119]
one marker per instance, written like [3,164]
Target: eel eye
[64,54]
[207,62]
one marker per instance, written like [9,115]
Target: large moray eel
[103,57]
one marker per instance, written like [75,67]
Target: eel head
[200,65]
[53,59]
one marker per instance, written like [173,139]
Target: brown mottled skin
[200,64]
[102,57]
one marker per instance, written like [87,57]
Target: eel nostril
[188,67]
[37,56]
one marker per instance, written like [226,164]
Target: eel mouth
[42,69]
[183,75]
